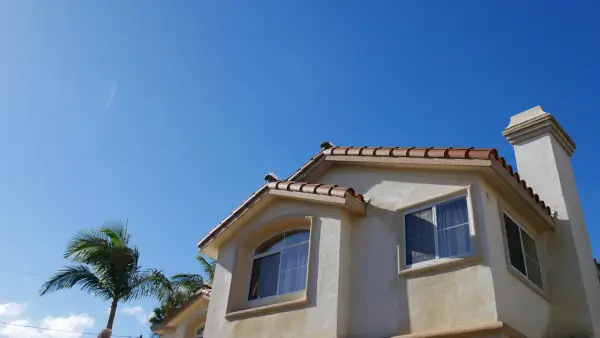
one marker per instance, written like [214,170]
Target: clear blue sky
[170,113]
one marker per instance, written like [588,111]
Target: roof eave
[348,202]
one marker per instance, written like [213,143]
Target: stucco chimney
[543,152]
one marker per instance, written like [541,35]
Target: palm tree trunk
[113,311]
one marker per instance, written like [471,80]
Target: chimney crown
[536,122]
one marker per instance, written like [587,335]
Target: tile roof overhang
[485,158]
[342,197]
[202,294]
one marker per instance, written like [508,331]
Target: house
[380,242]
[188,320]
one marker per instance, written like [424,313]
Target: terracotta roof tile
[327,149]
[312,188]
[449,153]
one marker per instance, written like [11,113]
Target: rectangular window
[522,252]
[438,231]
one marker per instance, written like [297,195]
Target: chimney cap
[533,123]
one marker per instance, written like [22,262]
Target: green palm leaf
[209,266]
[79,275]
[108,267]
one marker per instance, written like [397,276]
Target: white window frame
[435,233]
[280,252]
[522,228]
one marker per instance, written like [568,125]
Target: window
[522,252]
[200,332]
[280,265]
[437,231]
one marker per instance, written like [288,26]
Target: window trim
[433,205]
[280,252]
[511,268]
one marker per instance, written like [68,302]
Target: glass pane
[295,237]
[452,213]
[270,245]
[263,282]
[420,249]
[514,244]
[200,333]
[529,246]
[420,240]
[534,273]
[419,223]
[292,276]
[454,241]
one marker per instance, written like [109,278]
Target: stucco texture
[354,287]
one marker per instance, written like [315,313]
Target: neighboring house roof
[329,150]
[203,293]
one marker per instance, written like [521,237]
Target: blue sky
[170,114]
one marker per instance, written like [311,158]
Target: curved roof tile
[313,188]
[431,152]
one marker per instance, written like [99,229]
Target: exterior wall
[355,289]
[190,324]
[320,317]
[384,304]
[518,305]
[574,288]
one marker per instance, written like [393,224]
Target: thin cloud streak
[111,95]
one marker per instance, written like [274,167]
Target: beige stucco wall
[317,319]
[355,289]
[574,287]
[193,319]
[518,305]
[385,304]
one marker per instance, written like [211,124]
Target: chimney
[543,152]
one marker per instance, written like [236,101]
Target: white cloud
[17,327]
[12,309]
[136,311]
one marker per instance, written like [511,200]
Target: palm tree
[183,286]
[209,266]
[106,265]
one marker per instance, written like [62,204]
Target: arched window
[200,332]
[279,265]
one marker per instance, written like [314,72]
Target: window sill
[266,309]
[439,264]
[528,283]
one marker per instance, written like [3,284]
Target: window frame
[433,205]
[280,252]
[537,252]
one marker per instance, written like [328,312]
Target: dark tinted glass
[514,244]
[265,272]
[420,240]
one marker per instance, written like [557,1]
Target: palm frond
[117,232]
[209,266]
[85,243]
[73,275]
[148,283]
